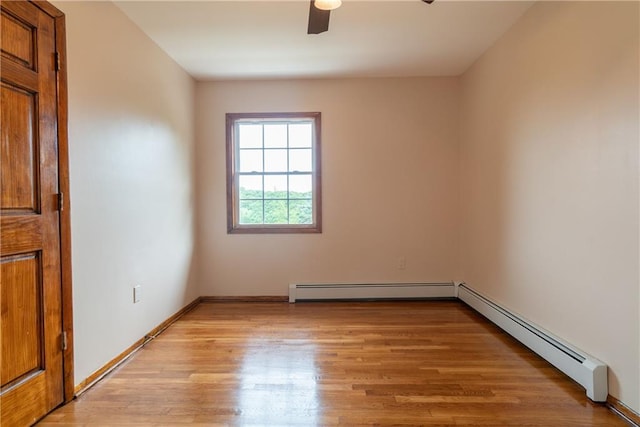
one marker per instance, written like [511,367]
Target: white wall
[389,148]
[549,151]
[131,147]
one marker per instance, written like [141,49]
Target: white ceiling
[268,39]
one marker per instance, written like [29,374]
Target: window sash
[234,121]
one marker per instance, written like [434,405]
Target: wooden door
[31,292]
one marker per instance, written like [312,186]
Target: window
[273,173]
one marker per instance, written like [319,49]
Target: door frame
[63,186]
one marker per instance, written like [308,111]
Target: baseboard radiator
[582,368]
[369,291]
[587,371]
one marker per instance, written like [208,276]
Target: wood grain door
[31,364]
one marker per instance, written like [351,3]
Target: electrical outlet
[402,263]
[136,294]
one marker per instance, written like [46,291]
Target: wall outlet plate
[136,294]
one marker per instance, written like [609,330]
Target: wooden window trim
[233,227]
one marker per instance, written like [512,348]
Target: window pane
[300,160]
[275,136]
[250,187]
[300,135]
[250,160]
[300,187]
[275,160]
[250,212]
[275,187]
[275,212]
[250,135]
[300,212]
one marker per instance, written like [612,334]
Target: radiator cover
[369,291]
[586,370]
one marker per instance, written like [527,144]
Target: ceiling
[216,40]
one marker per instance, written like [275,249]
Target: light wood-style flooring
[432,363]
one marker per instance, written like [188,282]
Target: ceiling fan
[319,11]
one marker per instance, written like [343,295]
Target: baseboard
[623,411]
[88,382]
[268,298]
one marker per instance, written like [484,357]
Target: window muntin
[273,173]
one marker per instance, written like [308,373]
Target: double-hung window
[273,173]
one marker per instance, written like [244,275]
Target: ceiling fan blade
[318,19]
[428,1]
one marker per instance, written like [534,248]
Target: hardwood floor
[321,364]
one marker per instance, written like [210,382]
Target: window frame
[233,199]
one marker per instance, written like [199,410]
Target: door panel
[19,159]
[21,328]
[31,369]
[19,41]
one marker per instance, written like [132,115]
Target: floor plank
[432,363]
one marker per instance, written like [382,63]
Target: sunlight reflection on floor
[278,383]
